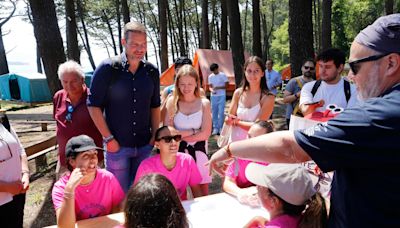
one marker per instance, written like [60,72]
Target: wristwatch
[108,139]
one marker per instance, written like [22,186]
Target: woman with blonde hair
[190,114]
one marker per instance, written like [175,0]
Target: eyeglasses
[70,109]
[169,138]
[9,150]
[355,67]
[309,67]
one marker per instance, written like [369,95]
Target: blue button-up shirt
[274,79]
[127,99]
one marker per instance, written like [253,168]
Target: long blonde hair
[185,70]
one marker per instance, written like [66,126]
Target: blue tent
[26,87]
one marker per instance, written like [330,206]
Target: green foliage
[280,46]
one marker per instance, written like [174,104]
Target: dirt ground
[39,211]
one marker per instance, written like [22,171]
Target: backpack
[116,65]
[346,87]
[296,109]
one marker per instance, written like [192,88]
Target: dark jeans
[12,213]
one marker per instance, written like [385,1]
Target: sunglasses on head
[355,65]
[169,138]
[70,109]
[309,67]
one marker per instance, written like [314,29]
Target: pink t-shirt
[93,200]
[240,176]
[183,174]
[283,221]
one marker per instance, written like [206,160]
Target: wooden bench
[43,123]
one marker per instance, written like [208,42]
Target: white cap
[291,182]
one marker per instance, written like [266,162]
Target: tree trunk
[300,33]
[107,22]
[267,34]
[3,57]
[86,40]
[389,7]
[49,40]
[198,24]
[224,26]
[178,13]
[257,50]
[118,15]
[170,28]
[73,51]
[162,17]
[236,40]
[38,61]
[125,11]
[205,35]
[326,41]
[245,23]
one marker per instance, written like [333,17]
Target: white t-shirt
[218,80]
[331,94]
[10,170]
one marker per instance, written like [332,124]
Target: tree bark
[73,51]
[326,37]
[257,50]
[3,57]
[125,11]
[205,35]
[224,26]
[300,33]
[49,40]
[118,15]
[162,17]
[389,7]
[85,41]
[236,39]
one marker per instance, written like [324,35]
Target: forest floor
[39,210]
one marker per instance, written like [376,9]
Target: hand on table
[257,221]
[249,196]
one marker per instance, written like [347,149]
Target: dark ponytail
[5,122]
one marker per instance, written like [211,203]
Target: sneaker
[215,132]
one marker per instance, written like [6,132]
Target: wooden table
[218,210]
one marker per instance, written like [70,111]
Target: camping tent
[26,87]
[202,60]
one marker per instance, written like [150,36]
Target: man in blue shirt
[274,79]
[360,144]
[127,89]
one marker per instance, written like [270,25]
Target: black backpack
[116,65]
[346,87]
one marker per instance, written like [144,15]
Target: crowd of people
[124,115]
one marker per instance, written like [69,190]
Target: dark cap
[180,61]
[383,35]
[79,144]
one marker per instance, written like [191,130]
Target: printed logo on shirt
[317,128]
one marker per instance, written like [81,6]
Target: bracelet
[68,195]
[108,139]
[228,150]
[193,131]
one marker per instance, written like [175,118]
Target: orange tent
[202,60]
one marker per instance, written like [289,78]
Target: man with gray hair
[360,144]
[70,111]
[127,89]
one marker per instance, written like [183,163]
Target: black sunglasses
[70,109]
[169,138]
[354,64]
[309,67]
